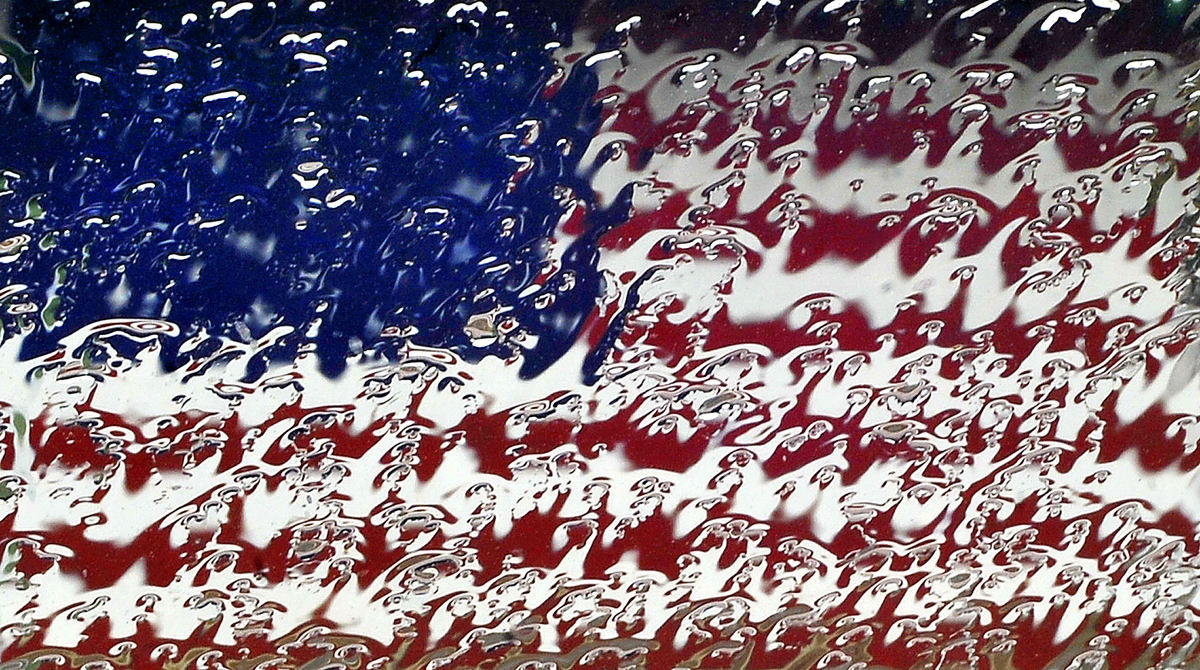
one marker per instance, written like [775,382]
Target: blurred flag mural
[678,334]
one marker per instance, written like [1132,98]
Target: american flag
[535,335]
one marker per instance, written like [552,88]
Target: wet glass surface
[681,334]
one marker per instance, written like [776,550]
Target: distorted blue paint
[179,202]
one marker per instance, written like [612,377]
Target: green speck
[20,57]
[8,564]
[50,311]
[21,424]
[34,209]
